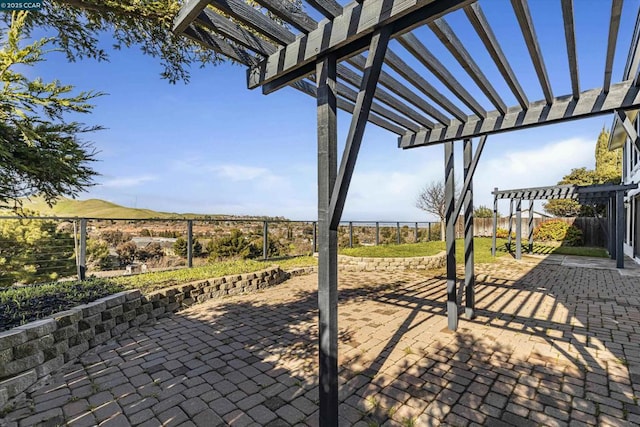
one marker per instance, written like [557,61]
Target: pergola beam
[590,103]
[188,12]
[614,25]
[346,35]
[219,45]
[523,15]
[570,38]
[483,29]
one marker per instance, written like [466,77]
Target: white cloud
[130,181]
[545,165]
[242,173]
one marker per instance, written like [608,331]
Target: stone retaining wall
[349,263]
[31,352]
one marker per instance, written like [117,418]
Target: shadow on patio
[550,345]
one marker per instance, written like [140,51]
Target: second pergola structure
[610,195]
[324,59]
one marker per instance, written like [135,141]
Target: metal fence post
[350,234]
[495,222]
[398,232]
[265,240]
[82,258]
[377,233]
[190,243]
[416,234]
[429,232]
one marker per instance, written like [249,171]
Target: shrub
[98,254]
[240,245]
[558,231]
[153,251]
[501,233]
[180,247]
[127,252]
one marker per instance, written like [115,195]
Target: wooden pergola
[610,195]
[324,59]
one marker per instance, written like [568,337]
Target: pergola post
[519,229]
[611,215]
[82,256]
[531,226]
[510,224]
[469,279]
[620,226]
[495,222]
[450,236]
[327,241]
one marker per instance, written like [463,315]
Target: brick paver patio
[552,345]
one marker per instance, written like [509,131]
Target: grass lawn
[482,250]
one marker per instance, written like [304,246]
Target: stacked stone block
[349,263]
[31,352]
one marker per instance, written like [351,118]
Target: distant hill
[94,208]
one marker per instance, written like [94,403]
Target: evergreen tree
[40,152]
[608,163]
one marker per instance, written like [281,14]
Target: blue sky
[213,146]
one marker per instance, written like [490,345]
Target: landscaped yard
[24,304]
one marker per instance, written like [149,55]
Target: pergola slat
[346,35]
[409,74]
[612,39]
[629,128]
[401,90]
[570,37]
[590,103]
[483,29]
[290,13]
[584,193]
[310,89]
[445,34]
[383,96]
[352,95]
[417,49]
[528,31]
[254,19]
[188,12]
[219,45]
[229,29]
[329,8]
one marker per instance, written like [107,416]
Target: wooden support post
[450,236]
[190,243]
[377,233]
[510,225]
[519,229]
[265,240]
[350,234]
[495,223]
[82,257]
[469,273]
[328,239]
[620,226]
[531,226]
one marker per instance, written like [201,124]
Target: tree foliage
[34,251]
[40,152]
[482,212]
[608,170]
[79,25]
